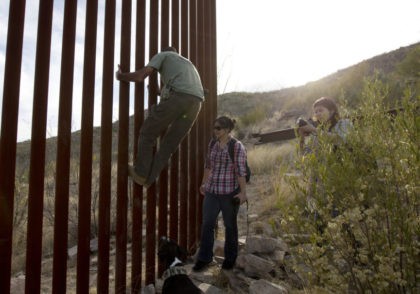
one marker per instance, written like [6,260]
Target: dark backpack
[231,150]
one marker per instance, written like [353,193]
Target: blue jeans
[212,205]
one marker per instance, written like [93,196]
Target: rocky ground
[260,267]
[262,263]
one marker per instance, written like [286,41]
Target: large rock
[255,266]
[277,256]
[258,244]
[237,283]
[262,228]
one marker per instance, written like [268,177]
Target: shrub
[363,211]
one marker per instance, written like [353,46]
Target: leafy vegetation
[360,201]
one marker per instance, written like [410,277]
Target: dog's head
[168,250]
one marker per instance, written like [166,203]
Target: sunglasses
[218,128]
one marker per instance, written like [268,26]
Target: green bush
[363,211]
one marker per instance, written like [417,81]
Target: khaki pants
[177,114]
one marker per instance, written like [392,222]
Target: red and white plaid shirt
[223,178]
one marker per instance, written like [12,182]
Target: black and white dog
[175,278]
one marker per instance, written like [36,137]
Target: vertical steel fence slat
[213,89]
[174,166]
[151,192]
[193,31]
[163,178]
[211,58]
[209,97]
[207,67]
[137,215]
[37,161]
[173,196]
[85,166]
[11,89]
[63,148]
[207,112]
[104,221]
[207,132]
[202,45]
[201,124]
[183,193]
[192,162]
[122,173]
[175,24]
[183,157]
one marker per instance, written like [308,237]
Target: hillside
[398,68]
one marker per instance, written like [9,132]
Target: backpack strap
[231,151]
[231,148]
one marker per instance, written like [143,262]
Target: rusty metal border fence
[170,207]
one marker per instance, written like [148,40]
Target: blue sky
[262,45]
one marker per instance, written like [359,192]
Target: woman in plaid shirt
[224,189]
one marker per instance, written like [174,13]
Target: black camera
[300,122]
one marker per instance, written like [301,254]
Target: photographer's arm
[306,130]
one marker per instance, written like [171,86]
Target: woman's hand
[306,130]
[241,196]
[203,189]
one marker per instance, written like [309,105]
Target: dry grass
[270,164]
[267,159]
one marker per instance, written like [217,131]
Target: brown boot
[135,177]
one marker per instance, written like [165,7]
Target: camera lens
[301,122]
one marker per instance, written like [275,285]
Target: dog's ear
[162,240]
[182,253]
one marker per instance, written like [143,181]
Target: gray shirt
[177,73]
[342,128]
